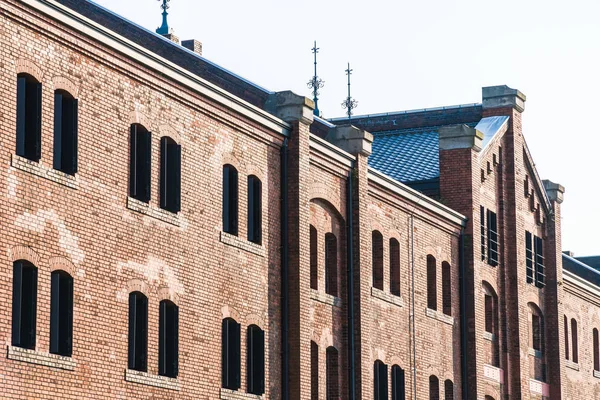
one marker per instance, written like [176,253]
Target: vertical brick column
[298,111]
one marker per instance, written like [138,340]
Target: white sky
[422,54]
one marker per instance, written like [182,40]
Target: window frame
[140,163]
[254,210]
[168,339]
[29,118]
[230,204]
[138,332]
[255,360]
[66,115]
[61,313]
[24,304]
[170,175]
[230,354]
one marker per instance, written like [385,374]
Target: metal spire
[164,28]
[316,83]
[349,104]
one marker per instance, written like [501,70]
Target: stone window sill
[535,353]
[40,358]
[325,298]
[447,319]
[539,387]
[144,378]
[596,374]
[387,297]
[151,211]
[489,336]
[38,169]
[228,394]
[242,244]
[572,365]
[492,373]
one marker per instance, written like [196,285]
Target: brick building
[171,230]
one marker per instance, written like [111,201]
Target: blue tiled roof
[581,269]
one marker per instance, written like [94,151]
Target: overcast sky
[420,54]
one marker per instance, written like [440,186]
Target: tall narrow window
[537,328]
[398,383]
[24,307]
[29,117]
[61,314]
[331,265]
[596,350]
[491,322]
[394,267]
[434,388]
[380,381]
[138,331]
[540,276]
[314,259]
[140,159]
[230,200]
[483,238]
[529,256]
[255,360]
[65,132]
[170,175]
[448,390]
[254,210]
[566,324]
[431,283]
[314,371]
[574,343]
[333,375]
[377,259]
[168,339]
[230,354]
[492,231]
[446,288]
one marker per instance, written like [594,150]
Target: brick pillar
[298,111]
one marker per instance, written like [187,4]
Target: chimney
[503,97]
[172,37]
[569,253]
[193,45]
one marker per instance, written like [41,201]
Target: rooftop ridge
[414,111]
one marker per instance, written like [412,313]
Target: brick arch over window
[229,312]
[318,190]
[23,66]
[62,83]
[139,118]
[23,253]
[136,285]
[169,131]
[62,264]
[230,159]
[253,319]
[166,293]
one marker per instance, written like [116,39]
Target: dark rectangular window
[230,354]
[24,306]
[398,383]
[331,265]
[61,314]
[483,237]
[254,210]
[314,371]
[489,313]
[140,163]
[65,132]
[540,276]
[230,200]
[255,361]
[596,347]
[332,375]
[168,339]
[434,388]
[377,259]
[431,283]
[170,175]
[529,256]
[29,117]
[138,331]
[314,259]
[492,236]
[380,381]
[446,288]
[394,267]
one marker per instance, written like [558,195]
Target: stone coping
[572,365]
[235,241]
[440,316]
[40,358]
[387,297]
[152,211]
[145,378]
[228,394]
[38,169]
[596,374]
[325,298]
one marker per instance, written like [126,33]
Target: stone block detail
[40,358]
[144,378]
[38,169]
[325,298]
[387,297]
[242,244]
[227,394]
[152,211]
[440,316]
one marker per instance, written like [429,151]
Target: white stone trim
[572,365]
[440,316]
[236,241]
[38,169]
[144,378]
[40,358]
[152,211]
[325,298]
[228,394]
[387,297]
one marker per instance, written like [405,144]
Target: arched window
[140,161]
[65,132]
[434,388]
[446,288]
[491,321]
[314,371]
[24,307]
[29,117]
[537,328]
[431,283]
[314,259]
[574,344]
[331,265]
[230,354]
[230,199]
[333,376]
[170,175]
[448,390]
[61,314]
[377,254]
[596,350]
[380,381]
[168,339]
[489,398]
[138,331]
[394,267]
[567,353]
[255,360]
[398,383]
[254,210]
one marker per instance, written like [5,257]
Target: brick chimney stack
[193,45]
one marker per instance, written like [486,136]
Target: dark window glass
[377,255]
[529,256]
[140,160]
[398,383]
[168,339]
[446,289]
[29,117]
[394,267]
[255,360]
[314,259]
[575,344]
[65,132]
[492,238]
[170,175]
[448,390]
[540,276]
[61,314]
[333,375]
[254,210]
[536,326]
[138,331]
[431,283]
[24,304]
[314,371]
[230,354]
[230,200]
[596,350]
[331,265]
[566,325]
[483,231]
[380,381]
[434,388]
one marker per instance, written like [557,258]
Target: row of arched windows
[573,354]
[231,204]
[378,261]
[432,300]
[231,357]
[331,262]
[332,372]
